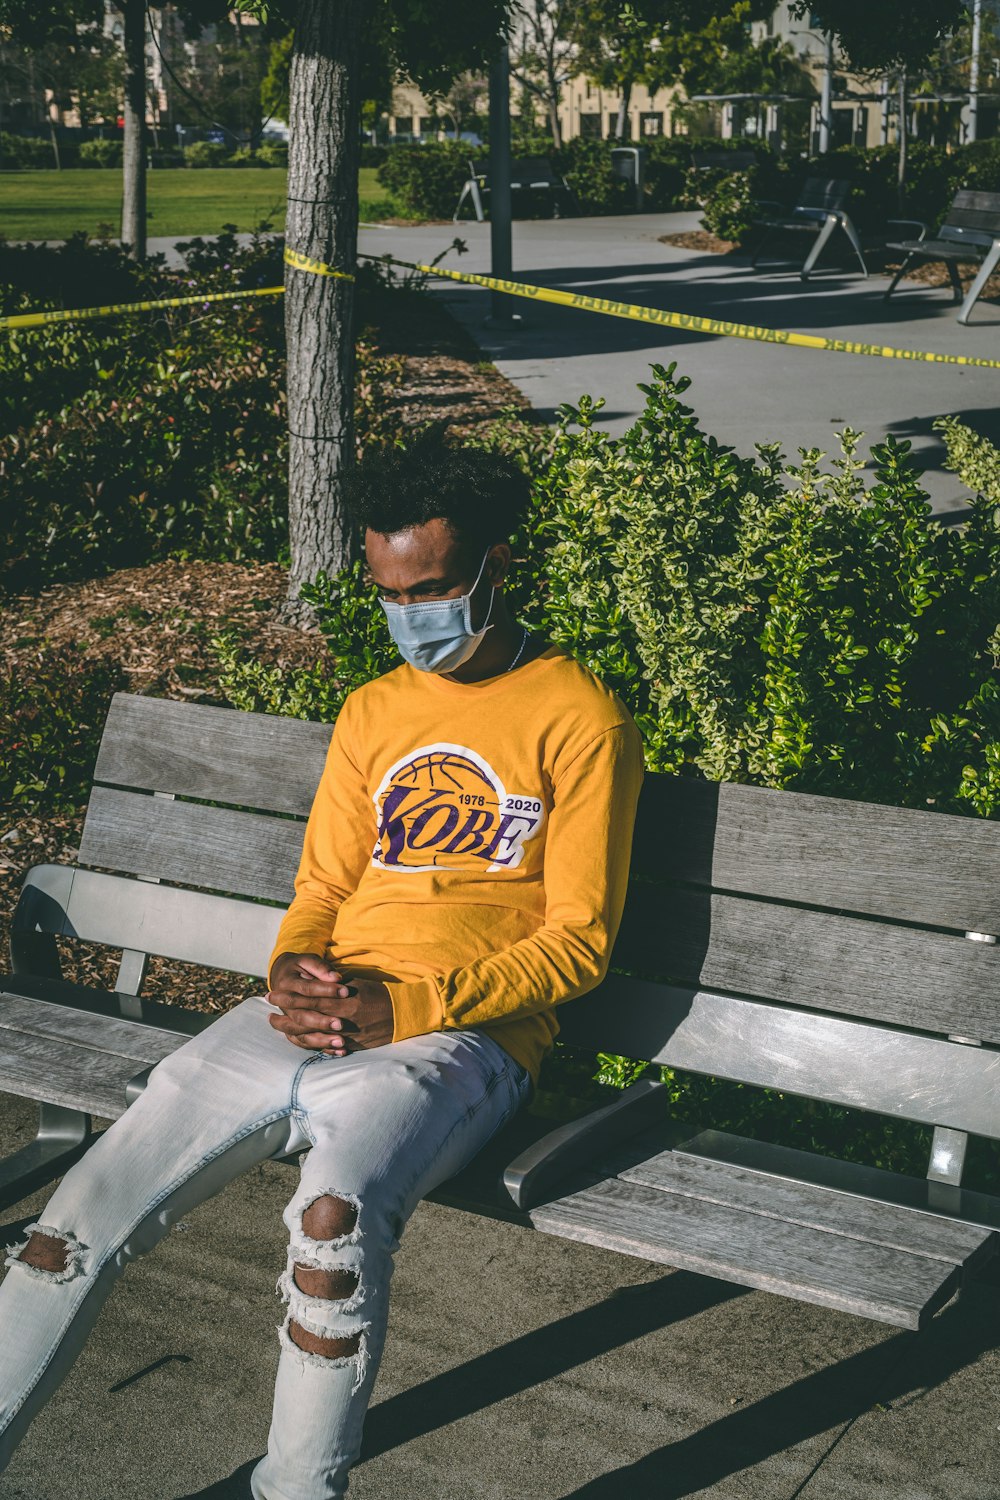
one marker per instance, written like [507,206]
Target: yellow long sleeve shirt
[469,845]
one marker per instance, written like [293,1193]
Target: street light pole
[977,35]
[826,99]
[501,259]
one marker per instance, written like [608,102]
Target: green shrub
[586,166]
[206,154]
[427,180]
[373,156]
[24,152]
[163,435]
[272,154]
[52,712]
[730,204]
[100,153]
[359,647]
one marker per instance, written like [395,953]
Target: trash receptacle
[630,162]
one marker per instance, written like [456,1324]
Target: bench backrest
[812,944]
[525,171]
[727,161]
[825,193]
[973,217]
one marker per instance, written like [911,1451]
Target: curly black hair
[481,496]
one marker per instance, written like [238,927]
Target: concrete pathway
[518,1367]
[743,392]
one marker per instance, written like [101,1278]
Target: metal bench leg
[768,237]
[63,1136]
[957,289]
[829,225]
[904,267]
[975,290]
[852,235]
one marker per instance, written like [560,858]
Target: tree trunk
[622,120]
[552,104]
[54,141]
[322,222]
[134,153]
[901,174]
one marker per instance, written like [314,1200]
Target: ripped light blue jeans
[380,1129]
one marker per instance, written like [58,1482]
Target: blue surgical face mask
[437,635]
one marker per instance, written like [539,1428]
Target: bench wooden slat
[140,1043]
[853,1063]
[933,981]
[219,754]
[244,854]
[191,926]
[78,1077]
[801,1203]
[897,862]
[830,1270]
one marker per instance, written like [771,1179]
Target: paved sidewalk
[518,1367]
[743,392]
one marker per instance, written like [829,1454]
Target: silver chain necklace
[520,649]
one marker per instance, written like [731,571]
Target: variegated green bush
[803,625]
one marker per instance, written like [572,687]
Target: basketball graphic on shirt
[443,807]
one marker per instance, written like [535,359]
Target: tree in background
[44,42]
[334,55]
[543,53]
[702,45]
[224,79]
[888,40]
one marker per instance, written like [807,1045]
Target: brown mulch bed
[156,622]
[699,239]
[927,274]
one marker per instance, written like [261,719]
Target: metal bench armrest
[917,224]
[530,1175]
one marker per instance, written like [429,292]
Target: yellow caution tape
[77,314]
[317,267]
[689,321]
[72,315]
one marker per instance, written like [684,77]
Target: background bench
[528,174]
[971,231]
[808,944]
[819,211]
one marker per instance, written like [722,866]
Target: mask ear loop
[468,603]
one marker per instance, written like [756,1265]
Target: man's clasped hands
[322,1010]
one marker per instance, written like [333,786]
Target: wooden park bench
[723,160]
[970,232]
[835,950]
[819,211]
[530,174]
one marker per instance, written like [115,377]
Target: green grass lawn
[182,200]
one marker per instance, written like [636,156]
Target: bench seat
[723,1219]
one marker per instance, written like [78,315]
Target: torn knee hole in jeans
[316,1346]
[322,1284]
[52,1254]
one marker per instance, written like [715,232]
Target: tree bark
[622,119]
[322,222]
[134,152]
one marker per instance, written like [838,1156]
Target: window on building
[403,125]
[651,123]
[428,125]
[613,126]
[590,125]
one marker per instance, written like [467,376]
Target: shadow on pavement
[838,1394]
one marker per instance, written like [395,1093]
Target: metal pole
[826,99]
[501,256]
[977,34]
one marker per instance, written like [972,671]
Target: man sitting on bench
[463,872]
